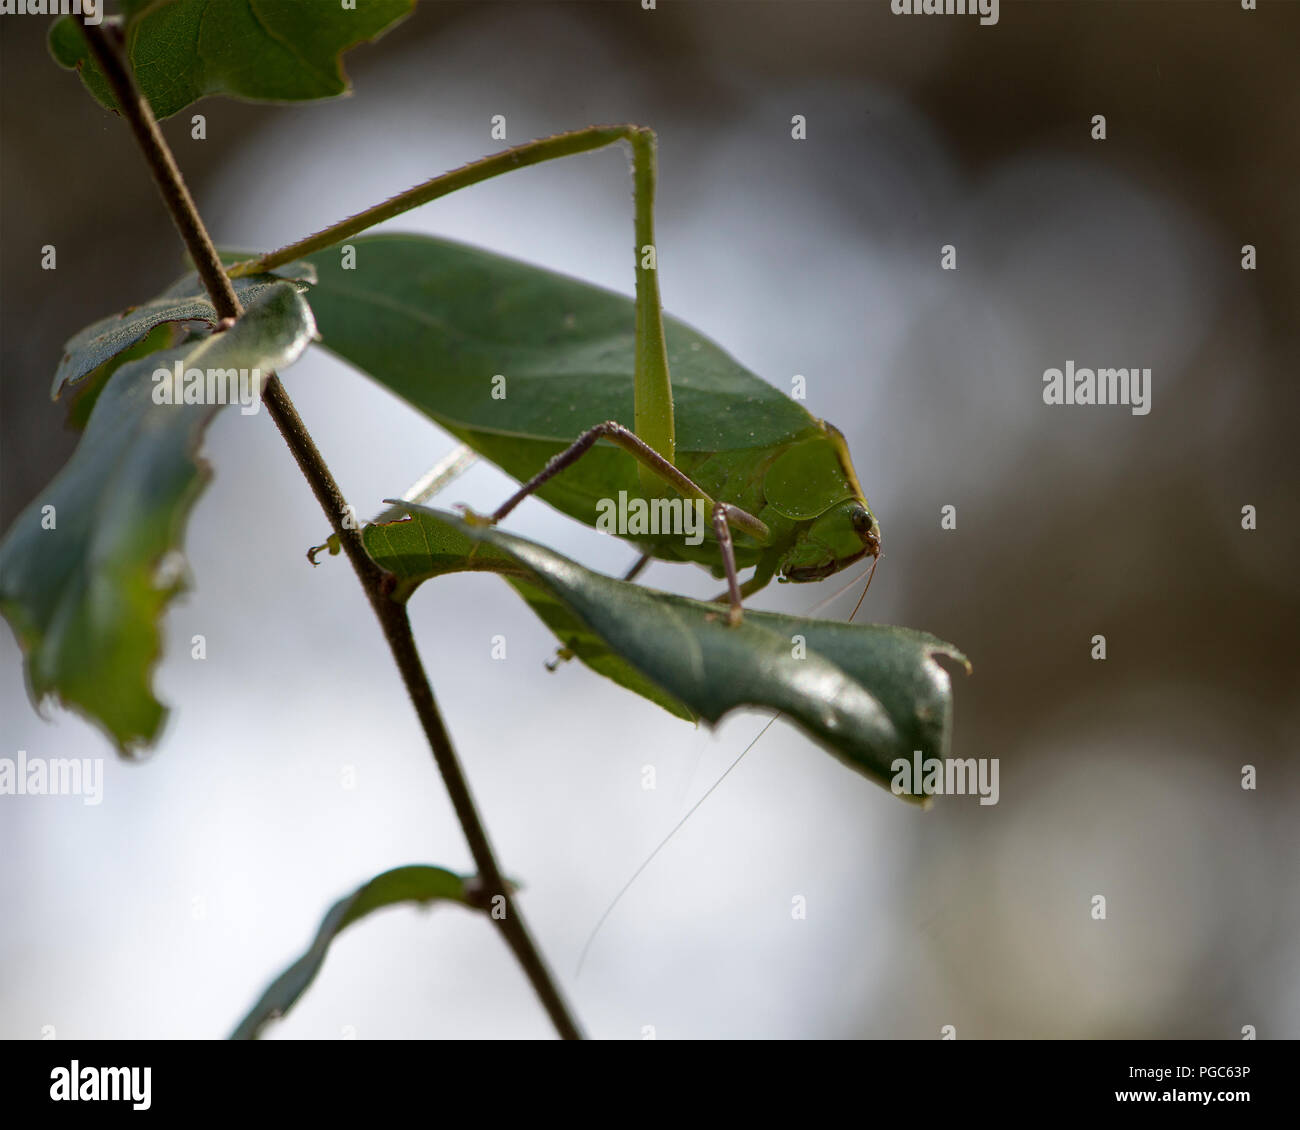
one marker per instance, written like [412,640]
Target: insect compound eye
[861,520]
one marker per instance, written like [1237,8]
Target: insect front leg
[764,571]
[722,530]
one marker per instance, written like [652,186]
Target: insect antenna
[582,957]
[874,562]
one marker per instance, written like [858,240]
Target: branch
[377,582]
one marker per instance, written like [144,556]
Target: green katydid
[777,478]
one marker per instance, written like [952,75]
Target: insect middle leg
[725,516]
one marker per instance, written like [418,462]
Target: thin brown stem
[493,892]
[105,45]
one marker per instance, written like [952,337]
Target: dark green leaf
[436,321]
[424,547]
[86,389]
[84,597]
[417,883]
[183,301]
[262,50]
[869,693]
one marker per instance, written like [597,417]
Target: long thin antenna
[582,957]
[839,592]
[824,602]
[875,561]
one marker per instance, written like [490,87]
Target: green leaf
[87,388]
[417,883]
[184,301]
[84,597]
[424,547]
[261,50]
[869,693]
[435,321]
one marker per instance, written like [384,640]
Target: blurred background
[292,768]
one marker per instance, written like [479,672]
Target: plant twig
[376,581]
[105,45]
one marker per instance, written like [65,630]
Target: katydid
[780,483]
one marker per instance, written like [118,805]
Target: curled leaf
[869,693]
[87,569]
[418,883]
